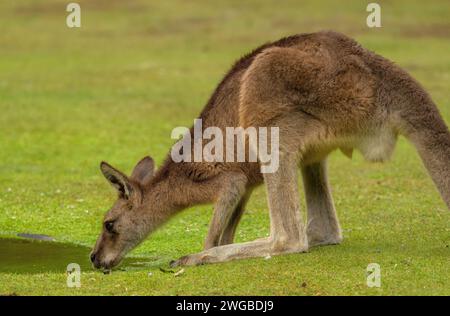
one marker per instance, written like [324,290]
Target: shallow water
[39,256]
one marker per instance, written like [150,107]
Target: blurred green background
[115,88]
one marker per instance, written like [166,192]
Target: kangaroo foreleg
[230,229]
[227,208]
[323,225]
[287,234]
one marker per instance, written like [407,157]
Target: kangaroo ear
[144,170]
[117,179]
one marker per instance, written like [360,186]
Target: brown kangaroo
[324,92]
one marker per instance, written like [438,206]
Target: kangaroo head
[124,225]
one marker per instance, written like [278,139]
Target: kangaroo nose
[92,257]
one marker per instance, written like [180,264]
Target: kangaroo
[324,92]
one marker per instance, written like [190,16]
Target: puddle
[36,236]
[38,256]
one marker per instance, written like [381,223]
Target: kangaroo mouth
[106,265]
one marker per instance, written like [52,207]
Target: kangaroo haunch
[324,92]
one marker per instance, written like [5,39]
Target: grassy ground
[114,89]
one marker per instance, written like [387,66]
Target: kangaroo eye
[109,226]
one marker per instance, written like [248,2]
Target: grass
[114,89]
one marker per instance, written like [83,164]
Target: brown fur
[324,91]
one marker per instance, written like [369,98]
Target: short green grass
[114,89]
